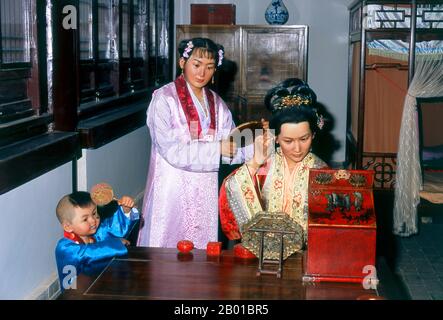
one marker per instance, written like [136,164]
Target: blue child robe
[74,257]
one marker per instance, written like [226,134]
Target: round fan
[244,134]
[102,194]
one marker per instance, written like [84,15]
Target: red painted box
[242,252]
[213,14]
[213,248]
[341,226]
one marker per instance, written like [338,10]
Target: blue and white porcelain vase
[276,13]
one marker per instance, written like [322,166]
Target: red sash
[190,110]
[72,236]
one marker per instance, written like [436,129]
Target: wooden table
[155,273]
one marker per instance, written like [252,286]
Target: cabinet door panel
[271,55]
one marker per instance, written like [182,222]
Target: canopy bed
[419,187]
[396,57]
[384,39]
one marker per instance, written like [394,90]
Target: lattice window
[123,46]
[17,95]
[429,16]
[85,28]
[387,16]
[355,18]
[15,31]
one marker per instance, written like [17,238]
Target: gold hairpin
[293,101]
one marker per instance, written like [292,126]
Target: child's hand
[125,242]
[127,203]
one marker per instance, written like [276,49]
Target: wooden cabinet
[256,59]
[383,39]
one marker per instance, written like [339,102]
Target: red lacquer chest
[341,226]
[213,14]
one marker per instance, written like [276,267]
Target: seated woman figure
[276,179]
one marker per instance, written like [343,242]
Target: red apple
[185,246]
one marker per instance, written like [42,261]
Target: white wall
[327,50]
[123,163]
[29,232]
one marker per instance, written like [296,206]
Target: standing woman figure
[188,124]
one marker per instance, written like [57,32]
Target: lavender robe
[182,186]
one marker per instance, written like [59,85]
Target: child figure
[88,240]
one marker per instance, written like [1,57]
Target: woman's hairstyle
[292,101]
[202,47]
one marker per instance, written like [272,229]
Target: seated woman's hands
[263,145]
[262,149]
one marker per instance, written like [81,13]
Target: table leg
[262,254]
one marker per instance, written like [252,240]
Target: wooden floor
[154,273]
